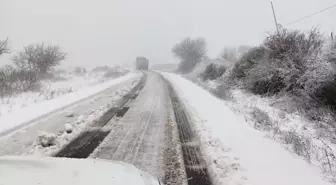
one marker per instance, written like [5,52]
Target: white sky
[99,32]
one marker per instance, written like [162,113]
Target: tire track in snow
[84,144]
[195,166]
[22,141]
[139,137]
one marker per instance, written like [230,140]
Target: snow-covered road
[139,136]
[143,131]
[80,113]
[172,129]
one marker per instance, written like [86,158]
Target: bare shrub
[190,52]
[35,63]
[39,58]
[29,67]
[6,81]
[327,157]
[301,145]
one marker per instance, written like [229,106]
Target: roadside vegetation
[28,67]
[190,52]
[299,65]
[290,77]
[34,74]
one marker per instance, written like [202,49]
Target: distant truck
[141,63]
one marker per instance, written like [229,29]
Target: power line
[310,15]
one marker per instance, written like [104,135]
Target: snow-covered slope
[237,153]
[280,120]
[28,106]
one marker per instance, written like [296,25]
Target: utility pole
[332,37]
[275,20]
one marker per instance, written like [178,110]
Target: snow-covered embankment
[236,153]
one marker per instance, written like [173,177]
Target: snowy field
[236,152]
[53,94]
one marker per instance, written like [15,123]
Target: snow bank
[28,113]
[46,139]
[236,152]
[68,128]
[80,122]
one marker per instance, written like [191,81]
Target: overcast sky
[99,32]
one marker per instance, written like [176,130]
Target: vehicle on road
[15,170]
[142,63]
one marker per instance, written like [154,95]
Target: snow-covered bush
[320,78]
[247,62]
[222,91]
[264,80]
[284,62]
[213,71]
[190,52]
[293,45]
[261,119]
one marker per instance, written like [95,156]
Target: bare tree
[34,63]
[190,52]
[39,59]
[4,47]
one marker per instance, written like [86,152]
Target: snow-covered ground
[77,122]
[236,152]
[50,132]
[297,134]
[280,121]
[65,83]
[24,107]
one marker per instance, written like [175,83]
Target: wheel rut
[194,164]
[85,143]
